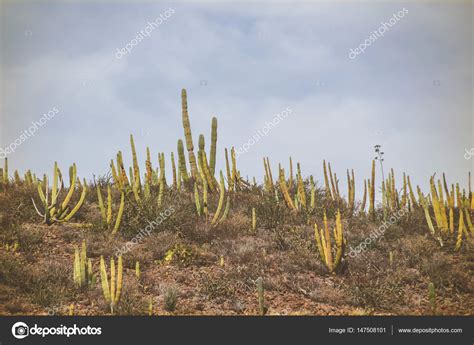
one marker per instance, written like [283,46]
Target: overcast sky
[243,62]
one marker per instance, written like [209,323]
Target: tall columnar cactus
[323,242]
[313,192]
[372,193]
[112,292]
[424,204]
[53,210]
[332,178]
[364,198]
[230,182]
[405,194]
[461,230]
[300,185]
[290,182]
[82,268]
[173,168]
[269,185]
[414,203]
[149,167]
[213,152]
[136,167]
[326,182]
[182,162]
[284,189]
[261,298]
[5,172]
[188,135]
[351,191]
[221,200]
[107,215]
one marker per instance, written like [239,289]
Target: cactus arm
[109,206]
[173,168]
[221,200]
[339,240]
[79,203]
[101,206]
[119,280]
[104,280]
[71,188]
[284,190]
[317,238]
[372,193]
[212,163]
[460,231]
[112,284]
[119,214]
[188,135]
[196,200]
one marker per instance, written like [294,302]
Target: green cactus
[188,135]
[136,167]
[261,298]
[254,221]
[82,268]
[173,168]
[53,211]
[5,172]
[213,152]
[107,216]
[182,161]
[112,292]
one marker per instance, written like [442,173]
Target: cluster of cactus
[324,243]
[4,178]
[444,210]
[112,291]
[202,207]
[351,191]
[54,210]
[82,267]
[332,190]
[107,214]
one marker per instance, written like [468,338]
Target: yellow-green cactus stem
[254,220]
[101,206]
[5,172]
[326,182]
[119,214]
[197,200]
[188,135]
[137,270]
[121,170]
[284,189]
[313,192]
[17,178]
[412,195]
[161,158]
[149,167]
[221,199]
[136,167]
[161,192]
[300,186]
[173,168]
[372,193]
[213,152]
[226,210]
[290,182]
[115,176]
[182,161]
[364,197]
[109,206]
[229,174]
